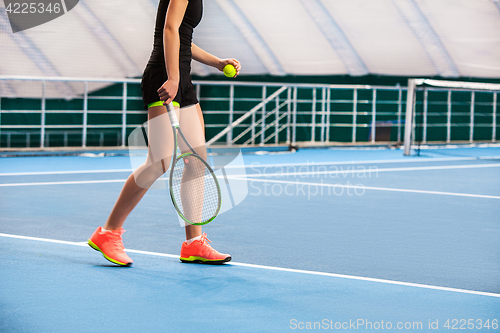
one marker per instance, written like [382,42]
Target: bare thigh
[161,143]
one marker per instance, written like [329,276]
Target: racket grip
[171,114]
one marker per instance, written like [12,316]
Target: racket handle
[171,113]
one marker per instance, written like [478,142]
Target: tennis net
[450,112]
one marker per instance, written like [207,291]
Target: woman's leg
[197,140]
[109,241]
[131,193]
[139,182]
[199,250]
[129,197]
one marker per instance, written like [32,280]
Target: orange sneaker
[110,244]
[199,251]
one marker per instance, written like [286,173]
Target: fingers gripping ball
[229,70]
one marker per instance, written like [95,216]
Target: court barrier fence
[44,112]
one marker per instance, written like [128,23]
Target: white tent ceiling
[113,38]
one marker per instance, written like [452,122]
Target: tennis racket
[193,186]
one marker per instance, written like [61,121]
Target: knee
[146,174]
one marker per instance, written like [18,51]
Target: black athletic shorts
[154,77]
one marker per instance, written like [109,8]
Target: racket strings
[194,189]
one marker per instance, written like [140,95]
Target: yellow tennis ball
[229,70]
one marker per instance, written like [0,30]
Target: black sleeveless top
[192,18]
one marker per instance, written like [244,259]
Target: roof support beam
[108,41]
[336,37]
[29,48]
[497,3]
[428,37]
[7,90]
[154,3]
[252,36]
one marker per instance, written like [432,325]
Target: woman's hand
[230,61]
[168,91]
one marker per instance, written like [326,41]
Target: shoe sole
[95,247]
[200,260]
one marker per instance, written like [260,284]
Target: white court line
[362,187]
[71,182]
[245,177]
[66,183]
[273,268]
[271,181]
[370,170]
[43,173]
[409,160]
[256,165]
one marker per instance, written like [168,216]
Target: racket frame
[177,130]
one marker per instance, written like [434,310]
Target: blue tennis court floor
[325,239]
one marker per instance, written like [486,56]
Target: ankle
[107,227]
[189,241]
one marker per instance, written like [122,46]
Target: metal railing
[236,113]
[283,110]
[44,130]
[15,138]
